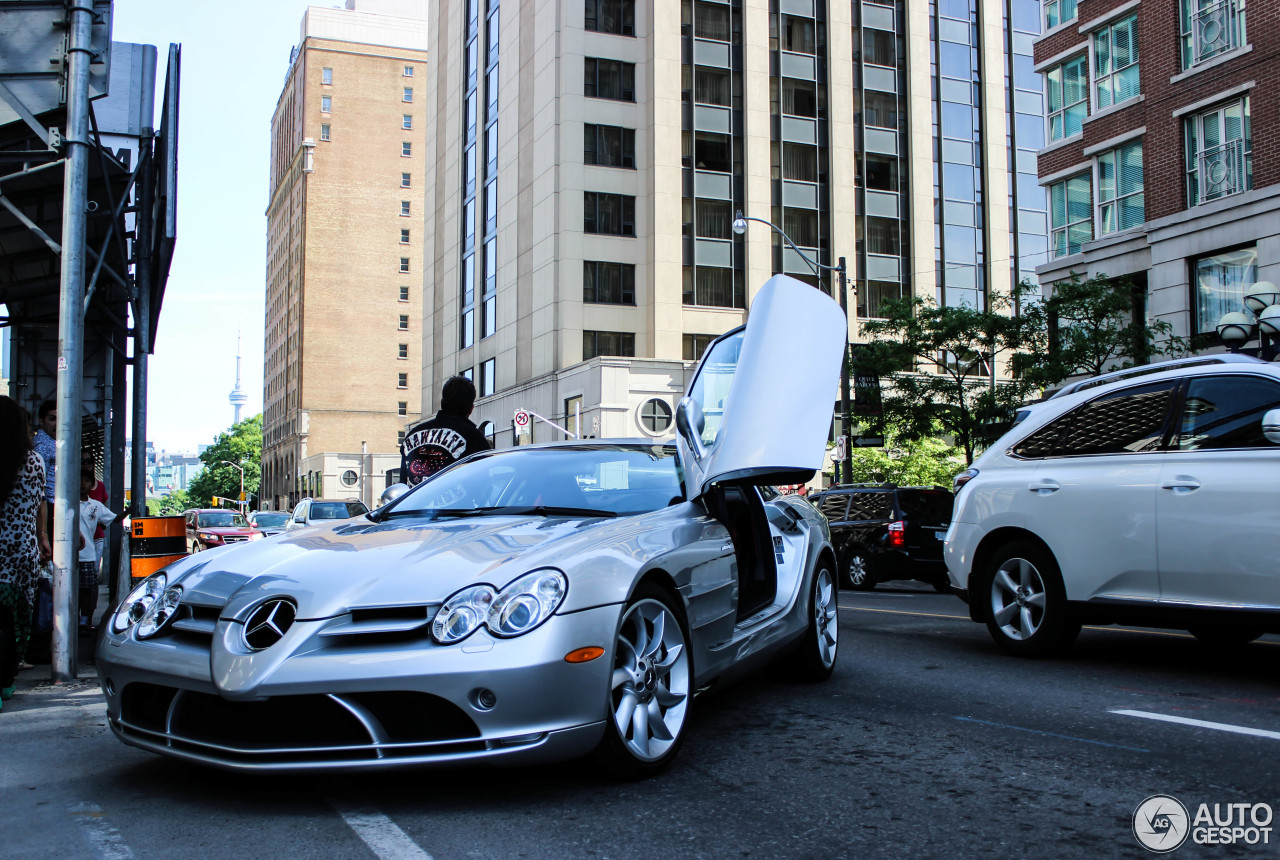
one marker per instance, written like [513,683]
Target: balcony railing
[1221,171]
[1215,30]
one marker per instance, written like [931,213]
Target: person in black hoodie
[445,439]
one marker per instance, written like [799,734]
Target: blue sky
[234,57]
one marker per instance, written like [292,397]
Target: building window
[1058,11]
[406,121]
[488,383]
[880,110]
[404,320]
[402,408]
[326,104]
[404,297]
[1120,197]
[403,351]
[406,149]
[608,283]
[622,343]
[407,97]
[874,295]
[326,76]
[404,265]
[609,214]
[609,79]
[696,344]
[1070,202]
[711,286]
[655,416]
[1210,28]
[611,16]
[408,71]
[404,237]
[713,151]
[609,146]
[1068,97]
[399,438]
[1219,152]
[1219,282]
[324,131]
[350,478]
[404,208]
[406,180]
[712,86]
[1115,62]
[402,380]
[572,414]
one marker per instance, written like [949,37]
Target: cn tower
[237,397]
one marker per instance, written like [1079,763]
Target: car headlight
[462,614]
[526,603]
[207,536]
[160,612]
[135,606]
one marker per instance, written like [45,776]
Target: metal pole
[142,325]
[846,412]
[66,523]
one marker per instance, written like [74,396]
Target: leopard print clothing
[19,550]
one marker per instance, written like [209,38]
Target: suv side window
[870,506]
[833,506]
[1128,421]
[1226,412]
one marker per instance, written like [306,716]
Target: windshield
[336,510]
[221,519]
[271,520]
[927,506]
[605,480]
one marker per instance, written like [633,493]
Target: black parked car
[883,532]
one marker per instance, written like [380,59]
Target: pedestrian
[24,539]
[47,448]
[93,515]
[445,439]
[98,492]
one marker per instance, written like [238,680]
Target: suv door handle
[1181,483]
[1043,486]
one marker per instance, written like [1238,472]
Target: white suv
[1150,496]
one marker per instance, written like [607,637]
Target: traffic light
[214,503]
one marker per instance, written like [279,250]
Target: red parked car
[212,527]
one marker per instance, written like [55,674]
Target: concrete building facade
[587,159]
[1160,161]
[344,246]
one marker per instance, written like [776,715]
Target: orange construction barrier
[155,542]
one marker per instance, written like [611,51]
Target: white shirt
[93,513]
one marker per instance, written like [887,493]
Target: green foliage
[174,503]
[242,445]
[907,462]
[1087,328]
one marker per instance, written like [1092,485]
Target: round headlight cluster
[139,601]
[160,613]
[515,610]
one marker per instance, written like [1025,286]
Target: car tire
[1220,638]
[650,694]
[814,659]
[1026,602]
[859,573]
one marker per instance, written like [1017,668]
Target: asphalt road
[926,742]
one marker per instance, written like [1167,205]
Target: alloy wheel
[651,677]
[1018,599]
[858,569]
[825,619]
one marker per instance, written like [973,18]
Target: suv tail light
[963,478]
[897,534]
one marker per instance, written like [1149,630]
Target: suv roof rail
[1157,367]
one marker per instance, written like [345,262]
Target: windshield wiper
[501,510]
[555,511]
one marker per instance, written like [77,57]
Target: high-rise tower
[237,396]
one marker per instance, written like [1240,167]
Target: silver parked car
[530,604]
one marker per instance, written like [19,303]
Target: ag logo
[1161,824]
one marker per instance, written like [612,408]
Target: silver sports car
[529,604]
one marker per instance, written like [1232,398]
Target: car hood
[227,530]
[330,569]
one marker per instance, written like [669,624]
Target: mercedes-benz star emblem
[268,623]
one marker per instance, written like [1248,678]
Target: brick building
[1162,155]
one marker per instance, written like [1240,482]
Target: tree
[940,363]
[1092,326]
[907,462]
[242,445]
[174,503]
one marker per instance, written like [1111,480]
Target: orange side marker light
[584,655]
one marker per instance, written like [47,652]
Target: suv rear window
[870,506]
[926,506]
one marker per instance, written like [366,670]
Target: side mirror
[1271,426]
[690,421]
[391,493]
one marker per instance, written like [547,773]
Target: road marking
[1052,735]
[381,834]
[904,612]
[105,838]
[1201,724]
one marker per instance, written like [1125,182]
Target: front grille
[234,538]
[352,727]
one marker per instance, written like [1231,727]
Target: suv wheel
[1026,602]
[858,572]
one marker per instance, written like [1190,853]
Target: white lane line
[105,839]
[1201,724]
[381,834]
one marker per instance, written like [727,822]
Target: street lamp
[241,468]
[740,228]
[1236,328]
